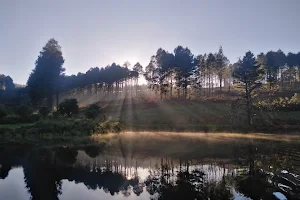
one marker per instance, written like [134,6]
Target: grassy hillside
[140,114]
[172,115]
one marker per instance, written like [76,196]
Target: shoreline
[96,139]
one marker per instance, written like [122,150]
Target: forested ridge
[169,74]
[252,88]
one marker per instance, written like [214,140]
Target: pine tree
[249,74]
[45,79]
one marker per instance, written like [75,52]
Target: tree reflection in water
[253,170]
[189,184]
[262,175]
[45,169]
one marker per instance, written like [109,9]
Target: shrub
[3,111]
[14,119]
[92,111]
[295,99]
[23,111]
[55,114]
[33,118]
[66,126]
[68,107]
[109,126]
[44,112]
[10,119]
[281,104]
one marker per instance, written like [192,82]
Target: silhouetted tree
[6,83]
[221,64]
[184,63]
[210,63]
[249,75]
[198,79]
[45,79]
[138,69]
[292,63]
[9,84]
[280,63]
[2,82]
[164,62]
[151,74]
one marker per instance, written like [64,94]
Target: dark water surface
[154,166]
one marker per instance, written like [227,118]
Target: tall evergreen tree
[249,74]
[151,74]
[199,71]
[210,64]
[138,68]
[221,64]
[271,68]
[9,83]
[45,79]
[164,62]
[280,63]
[184,63]
[298,65]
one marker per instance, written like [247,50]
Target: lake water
[155,166]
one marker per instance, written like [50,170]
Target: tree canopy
[249,74]
[179,70]
[46,77]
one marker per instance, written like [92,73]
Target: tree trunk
[248,104]
[171,89]
[220,85]
[204,82]
[136,87]
[209,85]
[298,73]
[50,102]
[57,96]
[281,76]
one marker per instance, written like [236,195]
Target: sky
[99,32]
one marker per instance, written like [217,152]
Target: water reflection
[253,170]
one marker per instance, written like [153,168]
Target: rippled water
[143,167]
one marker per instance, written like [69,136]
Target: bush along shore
[67,121]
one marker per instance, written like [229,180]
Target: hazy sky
[99,32]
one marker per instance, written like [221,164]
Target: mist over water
[153,166]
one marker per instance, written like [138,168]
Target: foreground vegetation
[71,123]
[67,122]
[214,115]
[203,93]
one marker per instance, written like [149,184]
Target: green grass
[294,115]
[137,114]
[15,126]
[55,130]
[144,115]
[170,114]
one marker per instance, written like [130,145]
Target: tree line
[48,78]
[169,74]
[205,72]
